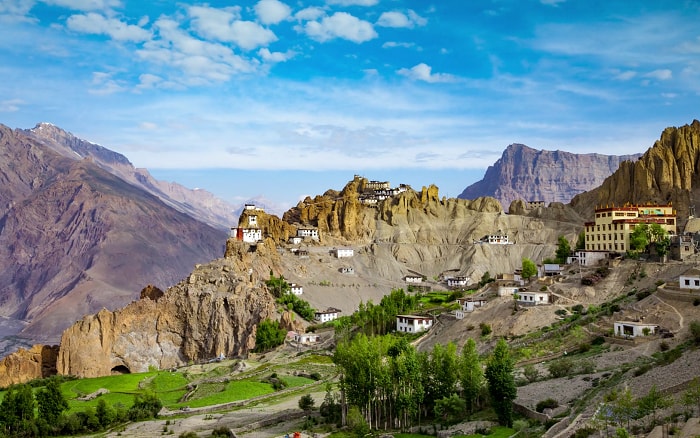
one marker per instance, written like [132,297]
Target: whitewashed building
[306,338]
[296,289]
[309,232]
[467,305]
[295,240]
[413,323]
[250,235]
[533,298]
[343,252]
[414,279]
[690,280]
[327,315]
[632,329]
[459,281]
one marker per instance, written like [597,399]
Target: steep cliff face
[216,310]
[538,175]
[24,365]
[667,172]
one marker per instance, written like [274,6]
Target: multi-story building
[613,226]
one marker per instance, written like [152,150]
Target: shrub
[560,312]
[306,402]
[485,329]
[221,432]
[696,302]
[561,367]
[695,331]
[549,403]
[584,432]
[188,435]
[577,308]
[643,294]
[663,346]
[598,340]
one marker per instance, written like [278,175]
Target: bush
[306,402]
[598,340]
[584,432]
[577,308]
[485,329]
[146,406]
[188,435]
[643,294]
[696,302]
[549,403]
[561,367]
[222,432]
[695,331]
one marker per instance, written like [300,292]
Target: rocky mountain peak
[538,175]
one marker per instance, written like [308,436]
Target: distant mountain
[538,175]
[197,203]
[75,238]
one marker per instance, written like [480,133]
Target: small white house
[414,279]
[307,232]
[552,269]
[467,305]
[306,338]
[328,315]
[632,329]
[690,280]
[343,252]
[413,323]
[459,281]
[533,298]
[347,270]
[296,289]
[507,290]
[295,240]
[495,239]
[590,258]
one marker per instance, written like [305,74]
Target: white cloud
[423,72]
[200,61]
[399,19]
[353,2]
[340,25]
[272,11]
[16,7]
[661,74]
[86,5]
[223,25]
[392,44]
[95,23]
[268,56]
[10,106]
[310,13]
[626,75]
[103,84]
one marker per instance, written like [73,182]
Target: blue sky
[289,98]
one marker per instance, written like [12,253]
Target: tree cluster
[24,413]
[391,385]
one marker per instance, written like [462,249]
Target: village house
[327,315]
[690,280]
[467,305]
[249,235]
[613,226]
[347,270]
[632,329]
[301,253]
[413,279]
[551,269]
[309,232]
[295,240]
[587,258]
[306,338]
[456,282]
[507,289]
[342,252]
[533,298]
[682,246]
[296,289]
[495,239]
[413,323]
[531,205]
[377,185]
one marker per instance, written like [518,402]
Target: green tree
[277,286]
[691,396]
[51,402]
[502,389]
[653,402]
[695,332]
[105,413]
[624,408]
[146,406]
[17,411]
[581,241]
[639,238]
[306,402]
[529,269]
[531,373]
[485,279]
[471,375]
[449,409]
[563,250]
[330,408]
[269,335]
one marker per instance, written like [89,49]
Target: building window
[687,282]
[697,282]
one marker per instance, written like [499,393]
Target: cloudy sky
[287,98]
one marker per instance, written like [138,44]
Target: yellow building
[613,225]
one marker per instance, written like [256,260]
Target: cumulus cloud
[310,13]
[200,61]
[272,11]
[86,5]
[16,8]
[103,84]
[392,44]
[340,25]
[97,24]
[423,72]
[661,74]
[266,55]
[224,25]
[399,19]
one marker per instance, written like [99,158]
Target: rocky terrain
[75,238]
[667,172]
[539,175]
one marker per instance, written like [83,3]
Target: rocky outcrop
[538,175]
[216,310]
[667,172]
[25,365]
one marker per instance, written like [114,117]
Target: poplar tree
[471,375]
[502,389]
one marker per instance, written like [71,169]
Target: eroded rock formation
[24,365]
